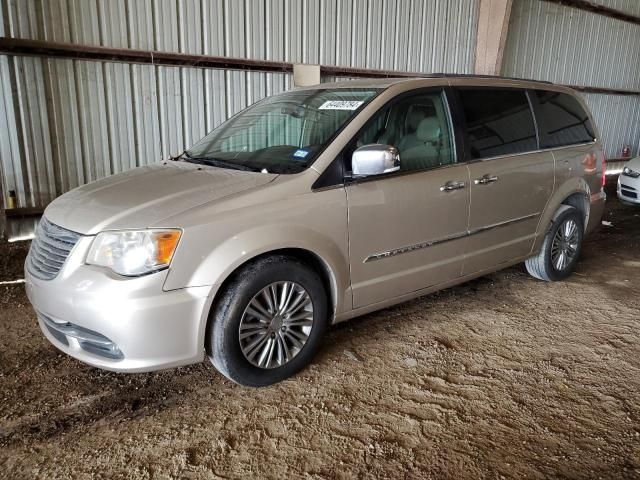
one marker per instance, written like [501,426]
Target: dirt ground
[503,377]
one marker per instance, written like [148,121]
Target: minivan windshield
[280,134]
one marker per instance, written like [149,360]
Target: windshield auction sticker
[340,105]
[300,153]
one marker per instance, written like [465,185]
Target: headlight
[134,253]
[630,173]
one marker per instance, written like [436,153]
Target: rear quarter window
[498,122]
[562,120]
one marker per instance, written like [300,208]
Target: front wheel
[269,321]
[561,247]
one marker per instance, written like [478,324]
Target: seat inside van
[424,144]
[422,149]
[418,128]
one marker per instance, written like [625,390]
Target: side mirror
[375,159]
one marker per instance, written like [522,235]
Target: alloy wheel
[276,324]
[565,244]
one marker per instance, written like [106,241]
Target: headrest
[416,115]
[428,130]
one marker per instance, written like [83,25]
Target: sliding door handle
[485,180]
[450,186]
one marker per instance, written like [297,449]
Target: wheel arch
[575,193]
[580,201]
[309,258]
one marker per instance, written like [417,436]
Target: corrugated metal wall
[67,122]
[552,42]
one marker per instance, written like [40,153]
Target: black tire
[223,337]
[541,266]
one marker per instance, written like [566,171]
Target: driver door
[408,229]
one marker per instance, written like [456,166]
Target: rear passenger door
[510,180]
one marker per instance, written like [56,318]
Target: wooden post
[306,75]
[3,215]
[493,24]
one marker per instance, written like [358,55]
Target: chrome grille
[50,249]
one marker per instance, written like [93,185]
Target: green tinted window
[418,126]
[283,133]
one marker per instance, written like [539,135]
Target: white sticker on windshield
[340,105]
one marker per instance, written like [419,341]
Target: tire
[546,264]
[242,305]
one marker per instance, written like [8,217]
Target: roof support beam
[39,48]
[493,24]
[593,7]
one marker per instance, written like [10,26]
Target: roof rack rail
[472,75]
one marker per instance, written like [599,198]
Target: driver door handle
[486,179]
[450,186]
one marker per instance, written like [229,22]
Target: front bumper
[628,189]
[116,323]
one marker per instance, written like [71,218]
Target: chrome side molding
[450,186]
[421,245]
[485,180]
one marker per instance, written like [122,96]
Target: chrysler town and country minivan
[312,207]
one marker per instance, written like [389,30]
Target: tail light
[604,169]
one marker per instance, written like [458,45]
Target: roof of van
[460,79]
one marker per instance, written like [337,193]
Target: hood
[144,196]
[634,164]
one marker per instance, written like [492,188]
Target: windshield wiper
[179,156]
[215,162]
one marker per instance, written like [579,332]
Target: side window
[373,131]
[418,126]
[562,119]
[499,121]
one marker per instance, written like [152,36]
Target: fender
[239,249]
[570,187]
[216,266]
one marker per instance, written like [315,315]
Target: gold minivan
[312,207]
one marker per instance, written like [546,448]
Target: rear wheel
[561,247]
[269,321]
